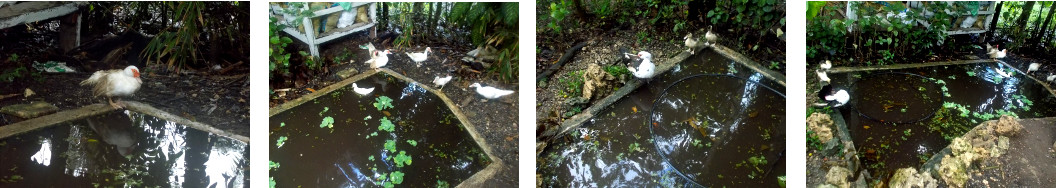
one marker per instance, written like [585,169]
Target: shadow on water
[122,149]
[927,120]
[353,152]
[709,127]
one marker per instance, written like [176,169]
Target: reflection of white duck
[1033,67]
[490,92]
[115,129]
[381,58]
[441,81]
[361,91]
[419,57]
[115,82]
[646,68]
[840,97]
[1002,72]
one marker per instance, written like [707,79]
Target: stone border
[96,109]
[477,180]
[577,120]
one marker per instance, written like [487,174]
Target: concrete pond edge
[96,109]
[476,180]
[577,120]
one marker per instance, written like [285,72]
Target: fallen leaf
[866,127]
[310,89]
[634,109]
[386,113]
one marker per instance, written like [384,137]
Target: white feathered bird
[1033,67]
[490,92]
[712,38]
[840,97]
[646,68]
[998,54]
[380,59]
[361,91]
[826,65]
[419,57]
[441,81]
[112,83]
[824,77]
[1051,77]
[691,42]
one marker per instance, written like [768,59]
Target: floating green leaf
[282,124]
[273,165]
[371,158]
[281,141]
[390,145]
[412,142]
[271,182]
[397,177]
[324,110]
[402,159]
[386,125]
[383,103]
[327,122]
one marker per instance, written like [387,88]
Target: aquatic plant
[327,122]
[402,159]
[386,125]
[324,110]
[272,165]
[390,145]
[382,103]
[281,141]
[412,142]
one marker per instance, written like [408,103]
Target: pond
[900,118]
[122,149]
[399,134]
[723,129]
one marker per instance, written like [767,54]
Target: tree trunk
[1043,30]
[436,16]
[1025,16]
[997,15]
[384,16]
[416,31]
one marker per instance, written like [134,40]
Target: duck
[690,42]
[824,77]
[711,38]
[490,92]
[113,83]
[998,54]
[826,65]
[990,49]
[1051,77]
[441,81]
[361,91]
[840,97]
[370,49]
[1033,67]
[419,57]
[380,59]
[646,68]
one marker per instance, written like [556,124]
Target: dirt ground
[495,119]
[218,100]
[1029,162]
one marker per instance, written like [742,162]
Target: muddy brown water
[885,146]
[708,128]
[345,156]
[122,149]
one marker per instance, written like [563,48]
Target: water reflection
[125,149]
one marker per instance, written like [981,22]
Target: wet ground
[123,149]
[420,126]
[701,138]
[493,117]
[895,118]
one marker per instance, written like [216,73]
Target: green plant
[492,24]
[573,84]
[402,159]
[390,145]
[557,14]
[386,125]
[281,141]
[327,122]
[382,103]
[617,70]
[279,58]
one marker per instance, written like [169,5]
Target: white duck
[824,77]
[111,83]
[419,57]
[691,42]
[990,49]
[490,92]
[361,91]
[1051,77]
[441,81]
[1033,67]
[712,38]
[646,68]
[840,97]
[381,58]
[826,65]
[998,54]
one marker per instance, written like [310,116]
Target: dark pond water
[353,153]
[898,120]
[714,131]
[122,149]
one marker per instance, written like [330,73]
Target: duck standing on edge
[998,54]
[691,42]
[441,81]
[490,92]
[712,38]
[645,69]
[419,57]
[111,83]
[1033,67]
[1051,77]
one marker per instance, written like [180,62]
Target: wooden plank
[34,11]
